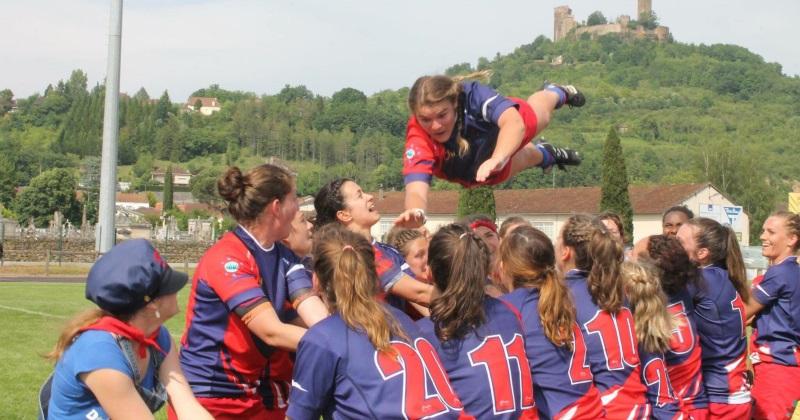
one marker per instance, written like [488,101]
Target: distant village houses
[204,105]
[180,176]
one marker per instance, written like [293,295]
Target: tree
[476,201]
[8,182]
[649,20]
[596,18]
[198,104]
[204,186]
[51,191]
[90,180]
[614,189]
[6,101]
[168,187]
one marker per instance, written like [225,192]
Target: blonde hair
[649,304]
[528,257]
[400,237]
[344,263]
[431,90]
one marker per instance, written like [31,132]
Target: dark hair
[529,259]
[344,263]
[248,194]
[597,252]
[510,222]
[723,249]
[680,209]
[676,269]
[459,262]
[792,225]
[607,215]
[329,201]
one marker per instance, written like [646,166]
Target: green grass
[26,336]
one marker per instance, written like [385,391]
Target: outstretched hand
[489,167]
[411,219]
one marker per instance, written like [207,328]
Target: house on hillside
[547,209]
[180,176]
[207,106]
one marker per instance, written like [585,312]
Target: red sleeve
[419,157]
[233,275]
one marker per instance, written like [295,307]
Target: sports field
[31,316]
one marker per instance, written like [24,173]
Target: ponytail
[607,256]
[723,249]
[528,259]
[344,263]
[459,262]
[734,262]
[649,305]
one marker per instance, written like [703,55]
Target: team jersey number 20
[416,363]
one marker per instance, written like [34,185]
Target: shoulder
[228,255]
[94,350]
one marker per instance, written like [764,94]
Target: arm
[180,394]
[512,131]
[312,310]
[416,199]
[412,290]
[751,308]
[116,393]
[263,321]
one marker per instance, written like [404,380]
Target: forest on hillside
[685,113]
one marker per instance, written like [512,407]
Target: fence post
[47,264]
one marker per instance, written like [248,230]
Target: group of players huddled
[472,322]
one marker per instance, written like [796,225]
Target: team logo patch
[410,153]
[231,266]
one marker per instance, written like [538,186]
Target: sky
[327,45]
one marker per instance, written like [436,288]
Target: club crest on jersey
[231,266]
[410,153]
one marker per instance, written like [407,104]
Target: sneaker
[561,156]
[575,97]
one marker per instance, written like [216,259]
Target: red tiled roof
[131,198]
[645,199]
[207,102]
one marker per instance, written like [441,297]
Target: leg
[543,103]
[528,157]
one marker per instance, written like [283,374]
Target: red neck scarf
[115,326]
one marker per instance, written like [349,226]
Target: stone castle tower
[644,6]
[564,22]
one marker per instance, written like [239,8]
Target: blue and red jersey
[776,336]
[683,359]
[660,393]
[612,353]
[563,389]
[340,374]
[219,355]
[391,266]
[488,368]
[719,314]
[480,110]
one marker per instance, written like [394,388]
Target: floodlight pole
[108,162]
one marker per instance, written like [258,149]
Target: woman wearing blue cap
[118,360]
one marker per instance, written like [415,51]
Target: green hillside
[685,113]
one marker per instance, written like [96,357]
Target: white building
[180,176]
[547,209]
[130,201]
[208,106]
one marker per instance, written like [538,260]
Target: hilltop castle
[566,25]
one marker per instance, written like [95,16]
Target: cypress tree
[614,190]
[168,189]
[476,201]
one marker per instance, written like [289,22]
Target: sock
[562,96]
[547,159]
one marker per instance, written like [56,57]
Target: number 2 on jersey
[495,356]
[416,363]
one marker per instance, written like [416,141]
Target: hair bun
[231,185]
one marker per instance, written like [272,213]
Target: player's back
[683,359]
[611,352]
[720,317]
[339,374]
[488,367]
[559,390]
